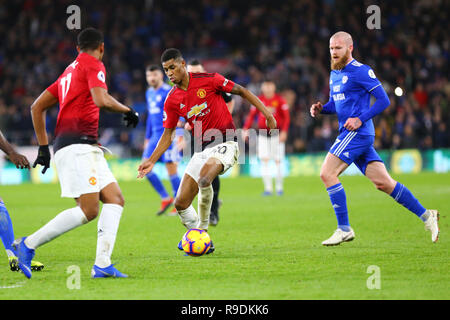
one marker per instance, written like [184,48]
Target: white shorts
[270,147]
[82,169]
[227,153]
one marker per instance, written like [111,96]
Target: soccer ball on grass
[196,242]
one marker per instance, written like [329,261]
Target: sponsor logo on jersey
[225,83]
[92,181]
[196,110]
[338,97]
[201,93]
[336,88]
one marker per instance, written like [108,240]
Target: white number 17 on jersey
[65,84]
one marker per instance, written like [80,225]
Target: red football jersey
[202,101]
[78,114]
[279,108]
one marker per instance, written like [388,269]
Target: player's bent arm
[254,100]
[381,103]
[38,110]
[103,99]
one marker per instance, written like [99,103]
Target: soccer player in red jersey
[196,67]
[270,147]
[82,169]
[197,97]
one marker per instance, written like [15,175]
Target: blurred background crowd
[286,41]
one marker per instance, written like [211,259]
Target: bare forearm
[38,117]
[250,97]
[5,146]
[112,105]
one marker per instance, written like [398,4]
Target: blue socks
[402,195]
[159,187]
[339,202]
[6,229]
[157,184]
[175,181]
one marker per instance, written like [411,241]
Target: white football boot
[339,236]
[431,224]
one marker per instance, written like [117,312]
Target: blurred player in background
[6,227]
[196,67]
[155,97]
[197,97]
[270,147]
[82,169]
[351,86]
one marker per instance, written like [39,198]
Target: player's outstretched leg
[62,223]
[377,173]
[331,169]
[108,224]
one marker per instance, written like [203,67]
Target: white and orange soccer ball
[196,242]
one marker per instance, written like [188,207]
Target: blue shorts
[171,155]
[351,147]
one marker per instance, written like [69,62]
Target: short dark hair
[152,67]
[194,62]
[89,39]
[171,53]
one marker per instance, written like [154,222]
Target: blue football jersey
[350,90]
[155,107]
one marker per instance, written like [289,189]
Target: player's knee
[204,182]
[90,211]
[113,198]
[326,176]
[119,200]
[181,204]
[384,185]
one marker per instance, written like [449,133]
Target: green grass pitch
[266,248]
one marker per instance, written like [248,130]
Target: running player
[155,96]
[196,67]
[197,98]
[270,147]
[351,86]
[6,227]
[82,169]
